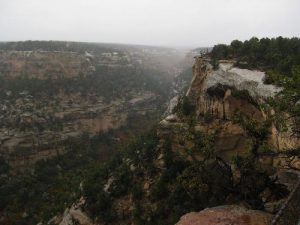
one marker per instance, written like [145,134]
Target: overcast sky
[151,22]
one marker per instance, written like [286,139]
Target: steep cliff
[220,97]
[218,145]
[214,104]
[214,147]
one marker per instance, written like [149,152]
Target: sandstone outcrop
[73,216]
[225,215]
[218,95]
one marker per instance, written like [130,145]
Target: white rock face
[172,104]
[241,79]
[108,184]
[172,118]
[89,55]
[75,216]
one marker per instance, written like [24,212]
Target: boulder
[225,215]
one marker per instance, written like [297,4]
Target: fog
[149,22]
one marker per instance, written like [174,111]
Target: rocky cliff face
[201,157]
[218,97]
[43,64]
[220,94]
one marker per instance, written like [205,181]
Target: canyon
[55,91]
[208,157]
[218,152]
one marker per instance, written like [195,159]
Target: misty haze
[149,112]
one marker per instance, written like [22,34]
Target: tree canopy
[279,54]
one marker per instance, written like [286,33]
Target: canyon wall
[219,96]
[48,97]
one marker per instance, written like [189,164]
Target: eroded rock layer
[225,215]
[220,95]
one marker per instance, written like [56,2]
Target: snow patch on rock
[88,55]
[241,79]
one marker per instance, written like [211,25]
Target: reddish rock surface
[226,215]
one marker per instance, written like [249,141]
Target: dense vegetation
[59,46]
[80,47]
[40,192]
[180,186]
[50,186]
[277,54]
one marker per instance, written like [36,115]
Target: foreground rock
[224,215]
[72,216]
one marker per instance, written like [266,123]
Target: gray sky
[152,22]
